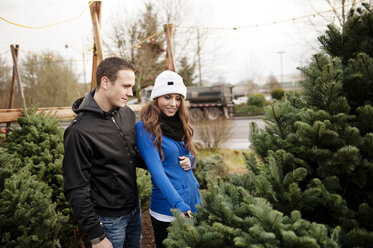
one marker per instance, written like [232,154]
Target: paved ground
[240,132]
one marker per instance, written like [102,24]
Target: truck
[210,102]
[206,102]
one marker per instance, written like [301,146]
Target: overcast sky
[253,50]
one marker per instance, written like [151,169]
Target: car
[240,100]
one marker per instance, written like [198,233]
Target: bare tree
[338,11]
[5,84]
[50,81]
[186,16]
[192,38]
[146,56]
[320,14]
[341,11]
[272,83]
[213,134]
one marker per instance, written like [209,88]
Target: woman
[164,138]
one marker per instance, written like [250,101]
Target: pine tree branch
[364,63]
[330,95]
[277,122]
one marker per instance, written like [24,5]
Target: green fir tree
[209,168]
[28,215]
[231,216]
[187,71]
[310,181]
[144,186]
[37,147]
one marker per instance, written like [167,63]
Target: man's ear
[104,82]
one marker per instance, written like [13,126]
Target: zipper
[124,142]
[120,130]
[113,191]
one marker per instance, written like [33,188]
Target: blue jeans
[124,229]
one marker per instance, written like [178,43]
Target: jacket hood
[88,104]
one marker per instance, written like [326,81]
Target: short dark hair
[109,68]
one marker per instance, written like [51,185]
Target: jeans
[124,229]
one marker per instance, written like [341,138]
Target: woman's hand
[185,163]
[187,214]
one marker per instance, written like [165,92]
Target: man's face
[119,91]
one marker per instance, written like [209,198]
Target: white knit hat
[168,82]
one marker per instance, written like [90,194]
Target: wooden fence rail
[63,113]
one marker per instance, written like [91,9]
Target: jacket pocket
[109,221]
[185,194]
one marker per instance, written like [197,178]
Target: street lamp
[281,53]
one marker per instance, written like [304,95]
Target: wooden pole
[170,63]
[13,87]
[95,9]
[16,74]
[94,66]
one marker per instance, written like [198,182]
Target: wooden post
[16,74]
[94,66]
[95,9]
[13,87]
[170,63]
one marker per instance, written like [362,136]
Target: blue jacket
[172,186]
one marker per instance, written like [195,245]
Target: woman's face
[169,104]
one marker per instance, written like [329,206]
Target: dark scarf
[172,127]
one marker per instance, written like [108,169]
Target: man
[99,166]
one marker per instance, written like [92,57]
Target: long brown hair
[150,116]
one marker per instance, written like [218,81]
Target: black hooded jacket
[99,166]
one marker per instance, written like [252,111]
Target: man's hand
[185,163]
[105,243]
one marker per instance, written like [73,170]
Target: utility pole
[13,87]
[17,75]
[98,56]
[282,75]
[170,62]
[83,57]
[199,59]
[85,81]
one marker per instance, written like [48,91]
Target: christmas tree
[34,210]
[28,215]
[36,147]
[310,181]
[211,167]
[144,187]
[231,216]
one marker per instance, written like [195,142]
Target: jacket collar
[88,104]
